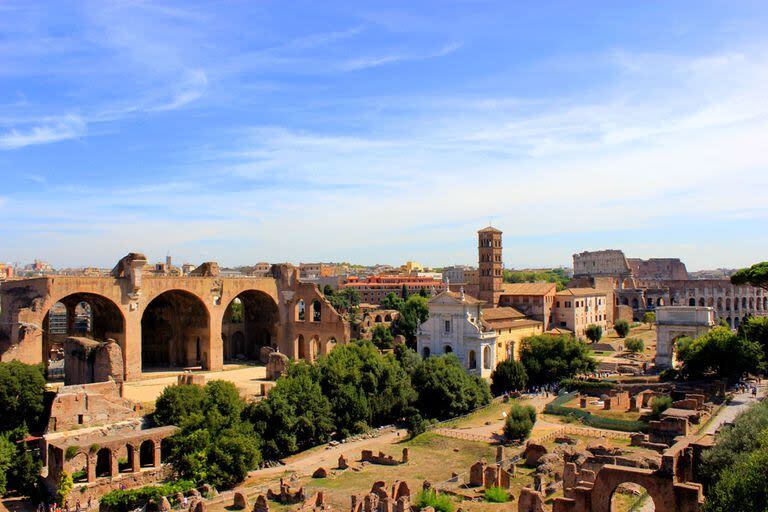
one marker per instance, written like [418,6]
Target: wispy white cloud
[68,127]
[191,89]
[360,63]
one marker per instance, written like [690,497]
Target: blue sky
[380,132]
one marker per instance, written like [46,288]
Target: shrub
[621,327]
[649,317]
[587,386]
[509,375]
[659,405]
[556,407]
[594,333]
[668,375]
[635,345]
[496,495]
[70,452]
[64,487]
[125,500]
[519,422]
[429,498]
[94,448]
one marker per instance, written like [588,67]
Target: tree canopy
[593,333]
[756,275]
[734,468]
[214,445]
[446,390]
[719,353]
[509,375]
[21,394]
[296,414]
[621,327]
[552,358]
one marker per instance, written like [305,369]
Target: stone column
[134,458]
[214,346]
[114,468]
[70,318]
[157,459]
[131,344]
[91,468]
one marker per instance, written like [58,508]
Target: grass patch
[440,502]
[496,495]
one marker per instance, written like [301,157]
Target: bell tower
[489,265]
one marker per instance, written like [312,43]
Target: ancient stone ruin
[382,458]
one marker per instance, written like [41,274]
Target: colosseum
[165,321]
[644,285]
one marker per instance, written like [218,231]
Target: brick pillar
[134,458]
[91,468]
[114,468]
[156,462]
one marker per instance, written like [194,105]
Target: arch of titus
[673,322]
[163,321]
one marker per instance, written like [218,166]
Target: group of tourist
[54,507]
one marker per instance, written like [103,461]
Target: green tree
[446,390]
[21,394]
[346,300]
[24,470]
[552,358]
[404,292]
[392,301]
[756,275]
[634,345]
[382,337]
[64,487]
[176,403]
[593,333]
[509,375]
[423,292]
[296,414]
[719,353]
[733,442]
[621,327]
[327,290]
[519,422]
[414,312]
[365,388]
[408,358]
[214,444]
[756,329]
[743,487]
[659,405]
[649,317]
[7,454]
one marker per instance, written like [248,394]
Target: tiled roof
[489,229]
[579,292]
[527,288]
[504,313]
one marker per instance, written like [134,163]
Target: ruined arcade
[173,322]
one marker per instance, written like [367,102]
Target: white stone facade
[455,326]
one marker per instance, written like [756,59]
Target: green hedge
[587,418]
[123,501]
[587,386]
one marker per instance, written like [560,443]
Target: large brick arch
[667,495]
[24,304]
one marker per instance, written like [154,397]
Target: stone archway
[79,314]
[175,331]
[631,496]
[250,322]
[674,322]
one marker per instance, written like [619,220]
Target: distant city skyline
[383,132]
